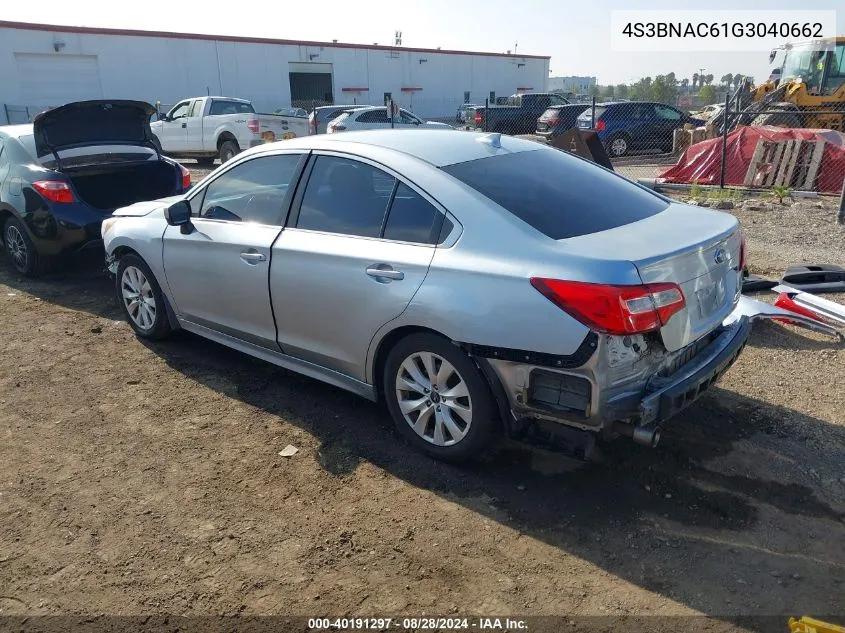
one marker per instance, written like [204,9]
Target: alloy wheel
[433,398]
[138,297]
[16,247]
[618,147]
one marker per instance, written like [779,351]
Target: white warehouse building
[47,65]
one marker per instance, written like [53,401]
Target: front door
[218,273]
[173,133]
[351,259]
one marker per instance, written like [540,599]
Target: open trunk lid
[695,248]
[85,123]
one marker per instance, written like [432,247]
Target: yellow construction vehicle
[809,92]
[811,625]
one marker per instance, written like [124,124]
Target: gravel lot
[140,478]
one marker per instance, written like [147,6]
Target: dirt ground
[140,478]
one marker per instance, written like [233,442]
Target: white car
[377,118]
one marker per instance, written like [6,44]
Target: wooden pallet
[793,163]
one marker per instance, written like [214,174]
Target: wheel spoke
[451,426]
[463,411]
[458,391]
[146,290]
[439,438]
[443,373]
[409,406]
[132,307]
[410,367]
[422,421]
[428,364]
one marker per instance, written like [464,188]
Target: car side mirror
[179,214]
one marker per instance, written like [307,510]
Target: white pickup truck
[207,127]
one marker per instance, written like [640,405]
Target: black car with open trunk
[68,170]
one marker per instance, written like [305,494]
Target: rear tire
[228,150]
[438,398]
[141,299]
[21,250]
[618,146]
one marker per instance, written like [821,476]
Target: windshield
[558,194]
[804,61]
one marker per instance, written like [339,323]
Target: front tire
[438,398]
[141,299]
[21,250]
[618,146]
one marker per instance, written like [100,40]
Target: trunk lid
[100,122]
[695,248]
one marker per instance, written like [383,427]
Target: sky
[575,33]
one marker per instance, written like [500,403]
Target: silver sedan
[478,284]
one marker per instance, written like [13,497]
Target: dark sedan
[559,119]
[71,168]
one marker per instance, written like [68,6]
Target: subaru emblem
[721,256]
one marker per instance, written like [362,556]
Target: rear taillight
[54,190]
[186,178]
[743,253]
[614,309]
[252,124]
[477,118]
[599,126]
[553,121]
[336,128]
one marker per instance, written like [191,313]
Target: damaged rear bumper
[609,399]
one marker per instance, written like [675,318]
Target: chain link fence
[763,145]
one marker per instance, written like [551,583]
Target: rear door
[193,123]
[218,273]
[356,249]
[667,120]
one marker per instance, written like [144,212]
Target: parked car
[519,116]
[461,115]
[320,116]
[559,119]
[206,128]
[61,175]
[469,281]
[636,125]
[376,117]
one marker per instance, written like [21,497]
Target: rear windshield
[230,107]
[588,113]
[558,194]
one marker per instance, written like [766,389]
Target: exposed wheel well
[389,341]
[120,251]
[225,136]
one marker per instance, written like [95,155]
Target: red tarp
[702,162]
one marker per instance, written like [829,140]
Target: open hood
[101,122]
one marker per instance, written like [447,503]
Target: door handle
[184,125]
[253,258]
[384,272]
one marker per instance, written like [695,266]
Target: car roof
[437,147]
[16,131]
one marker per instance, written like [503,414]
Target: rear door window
[558,194]
[373,116]
[345,196]
[221,106]
[412,218]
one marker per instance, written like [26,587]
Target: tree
[727,80]
[707,93]
[609,92]
[664,88]
[594,91]
[622,91]
[708,80]
[641,90]
[685,84]
[695,78]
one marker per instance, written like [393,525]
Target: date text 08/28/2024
[416,624]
